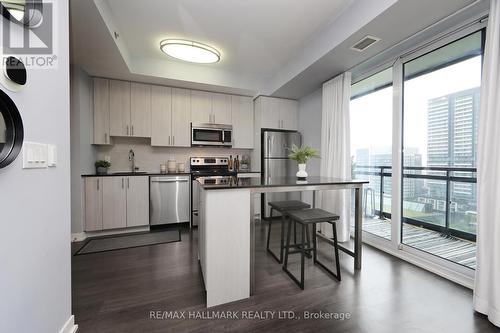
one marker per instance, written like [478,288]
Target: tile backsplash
[149,158]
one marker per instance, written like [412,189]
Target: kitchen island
[226,231]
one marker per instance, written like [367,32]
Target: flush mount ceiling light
[189,51]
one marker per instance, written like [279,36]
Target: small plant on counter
[302,155]
[101,167]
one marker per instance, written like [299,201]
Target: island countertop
[248,182]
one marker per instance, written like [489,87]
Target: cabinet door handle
[105,137]
[173,140]
[132,129]
[98,184]
[128,182]
[169,140]
[122,183]
[127,129]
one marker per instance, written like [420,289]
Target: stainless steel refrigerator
[275,163]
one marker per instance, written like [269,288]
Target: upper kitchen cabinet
[130,109]
[221,109]
[171,117]
[201,107]
[161,116]
[210,108]
[101,112]
[119,107]
[277,113]
[181,117]
[270,112]
[242,120]
[289,113]
[140,110]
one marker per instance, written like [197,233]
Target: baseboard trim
[78,237]
[69,326]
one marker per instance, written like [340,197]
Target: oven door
[202,136]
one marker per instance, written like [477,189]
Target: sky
[371,115]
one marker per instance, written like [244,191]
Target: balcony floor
[451,248]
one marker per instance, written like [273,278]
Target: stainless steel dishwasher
[169,199]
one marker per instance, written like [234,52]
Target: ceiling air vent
[364,43]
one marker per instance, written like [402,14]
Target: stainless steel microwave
[211,135]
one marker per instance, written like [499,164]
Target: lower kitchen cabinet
[93,203]
[137,201]
[116,202]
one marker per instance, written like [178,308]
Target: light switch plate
[52,155]
[34,155]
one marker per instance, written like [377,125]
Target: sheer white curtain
[336,151]
[487,283]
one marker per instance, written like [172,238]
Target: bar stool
[305,218]
[283,207]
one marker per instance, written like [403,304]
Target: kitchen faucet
[131,157]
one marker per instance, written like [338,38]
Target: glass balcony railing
[442,199]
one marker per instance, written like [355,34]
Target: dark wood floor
[115,292]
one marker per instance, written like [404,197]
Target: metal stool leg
[336,249]
[302,256]
[336,252]
[287,246]
[280,259]
[282,241]
[300,250]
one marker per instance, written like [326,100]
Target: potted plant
[302,155]
[101,167]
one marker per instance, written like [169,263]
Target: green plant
[302,154]
[102,164]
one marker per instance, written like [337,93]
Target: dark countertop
[128,174]
[131,174]
[248,182]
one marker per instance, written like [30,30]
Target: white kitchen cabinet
[210,108]
[171,117]
[243,122]
[101,112]
[119,107]
[181,117]
[289,113]
[140,110]
[114,203]
[161,116]
[278,113]
[221,109]
[137,201]
[201,107]
[270,108]
[93,203]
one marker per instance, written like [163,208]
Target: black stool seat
[315,215]
[288,205]
[284,207]
[305,218]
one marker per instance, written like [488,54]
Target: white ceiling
[280,47]
[254,37]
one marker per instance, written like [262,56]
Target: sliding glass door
[440,120]
[371,148]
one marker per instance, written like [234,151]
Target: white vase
[301,174]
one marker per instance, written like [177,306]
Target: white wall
[310,126]
[83,154]
[35,265]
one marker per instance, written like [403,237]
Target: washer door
[11,130]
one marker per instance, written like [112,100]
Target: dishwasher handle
[167,180]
